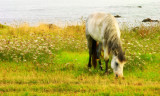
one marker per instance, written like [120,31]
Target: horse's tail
[94,53]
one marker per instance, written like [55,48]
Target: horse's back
[96,24]
[97,18]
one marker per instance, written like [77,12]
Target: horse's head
[117,66]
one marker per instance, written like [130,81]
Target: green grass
[60,64]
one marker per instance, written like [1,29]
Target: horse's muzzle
[120,76]
[116,75]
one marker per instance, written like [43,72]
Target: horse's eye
[116,64]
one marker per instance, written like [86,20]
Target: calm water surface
[53,11]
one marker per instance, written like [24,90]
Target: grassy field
[51,60]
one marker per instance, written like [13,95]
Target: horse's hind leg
[89,42]
[99,54]
[89,63]
[94,53]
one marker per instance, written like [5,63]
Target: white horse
[103,29]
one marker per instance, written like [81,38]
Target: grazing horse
[102,32]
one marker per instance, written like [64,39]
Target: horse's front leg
[106,58]
[106,62]
[99,54]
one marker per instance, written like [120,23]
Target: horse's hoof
[101,68]
[106,73]
[89,70]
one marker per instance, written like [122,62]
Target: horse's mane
[115,47]
[112,39]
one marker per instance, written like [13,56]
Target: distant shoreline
[80,22]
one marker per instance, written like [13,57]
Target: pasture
[51,60]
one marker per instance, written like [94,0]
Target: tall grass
[42,43]
[141,44]
[25,43]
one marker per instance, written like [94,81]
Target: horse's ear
[124,52]
[121,56]
[115,53]
[124,56]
